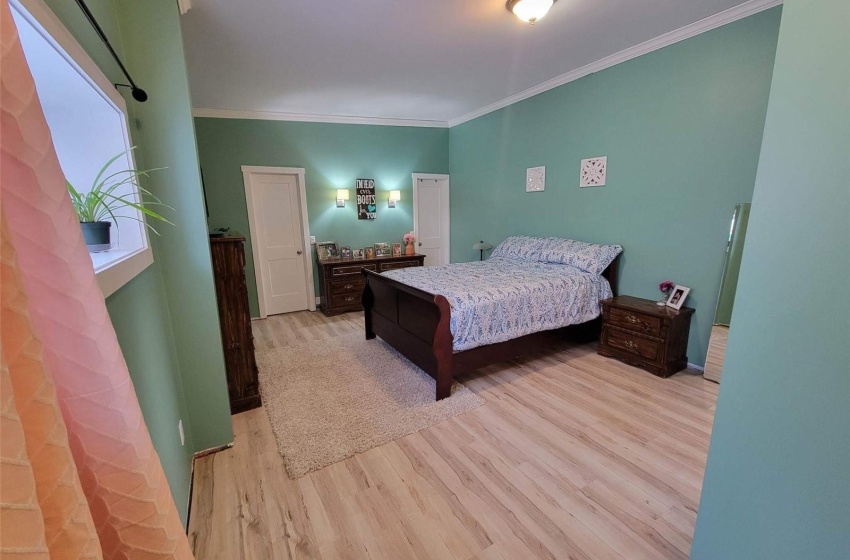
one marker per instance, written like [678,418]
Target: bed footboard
[417,324]
[413,322]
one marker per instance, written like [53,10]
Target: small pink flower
[409,238]
[666,286]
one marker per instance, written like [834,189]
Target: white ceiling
[431,60]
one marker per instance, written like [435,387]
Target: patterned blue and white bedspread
[500,299]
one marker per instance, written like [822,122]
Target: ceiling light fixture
[529,11]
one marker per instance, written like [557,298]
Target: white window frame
[126,265]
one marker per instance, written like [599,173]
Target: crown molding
[707,24]
[712,22]
[299,117]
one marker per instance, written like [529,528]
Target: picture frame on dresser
[382,249]
[357,253]
[327,250]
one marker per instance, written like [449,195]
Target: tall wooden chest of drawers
[228,259]
[643,334]
[341,281]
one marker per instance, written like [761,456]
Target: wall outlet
[182,435]
[312,240]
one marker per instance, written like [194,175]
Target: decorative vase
[663,301]
[409,249]
[97,236]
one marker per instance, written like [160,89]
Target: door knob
[420,243]
[299,251]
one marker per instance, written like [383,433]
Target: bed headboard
[612,273]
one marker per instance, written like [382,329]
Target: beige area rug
[331,399]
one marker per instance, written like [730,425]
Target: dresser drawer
[634,321]
[355,284]
[398,264]
[342,271]
[628,343]
[346,300]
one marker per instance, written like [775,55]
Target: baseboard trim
[700,369]
[212,450]
[196,456]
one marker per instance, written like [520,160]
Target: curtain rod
[138,93]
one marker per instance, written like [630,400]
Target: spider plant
[102,201]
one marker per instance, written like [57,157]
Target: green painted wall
[682,129]
[777,483]
[146,325]
[154,50]
[333,156]
[142,321]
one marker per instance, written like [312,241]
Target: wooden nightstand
[643,334]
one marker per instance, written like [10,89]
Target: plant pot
[97,236]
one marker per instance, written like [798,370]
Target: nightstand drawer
[351,270]
[634,321]
[349,285]
[346,300]
[626,342]
[399,264]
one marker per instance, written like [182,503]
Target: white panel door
[431,220]
[276,225]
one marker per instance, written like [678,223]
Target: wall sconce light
[395,196]
[341,197]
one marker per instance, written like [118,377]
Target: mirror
[728,287]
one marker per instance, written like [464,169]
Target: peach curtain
[79,477]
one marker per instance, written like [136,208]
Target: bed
[530,294]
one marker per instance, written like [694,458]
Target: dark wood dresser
[643,334]
[228,259]
[341,283]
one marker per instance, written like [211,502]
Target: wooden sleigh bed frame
[416,324]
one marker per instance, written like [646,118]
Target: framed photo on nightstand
[678,297]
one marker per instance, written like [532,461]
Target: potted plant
[97,209]
[665,288]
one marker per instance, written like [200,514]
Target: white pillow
[588,257]
[520,247]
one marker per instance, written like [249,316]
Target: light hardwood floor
[573,456]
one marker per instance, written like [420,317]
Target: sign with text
[367,203]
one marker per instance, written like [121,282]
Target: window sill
[115,268]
